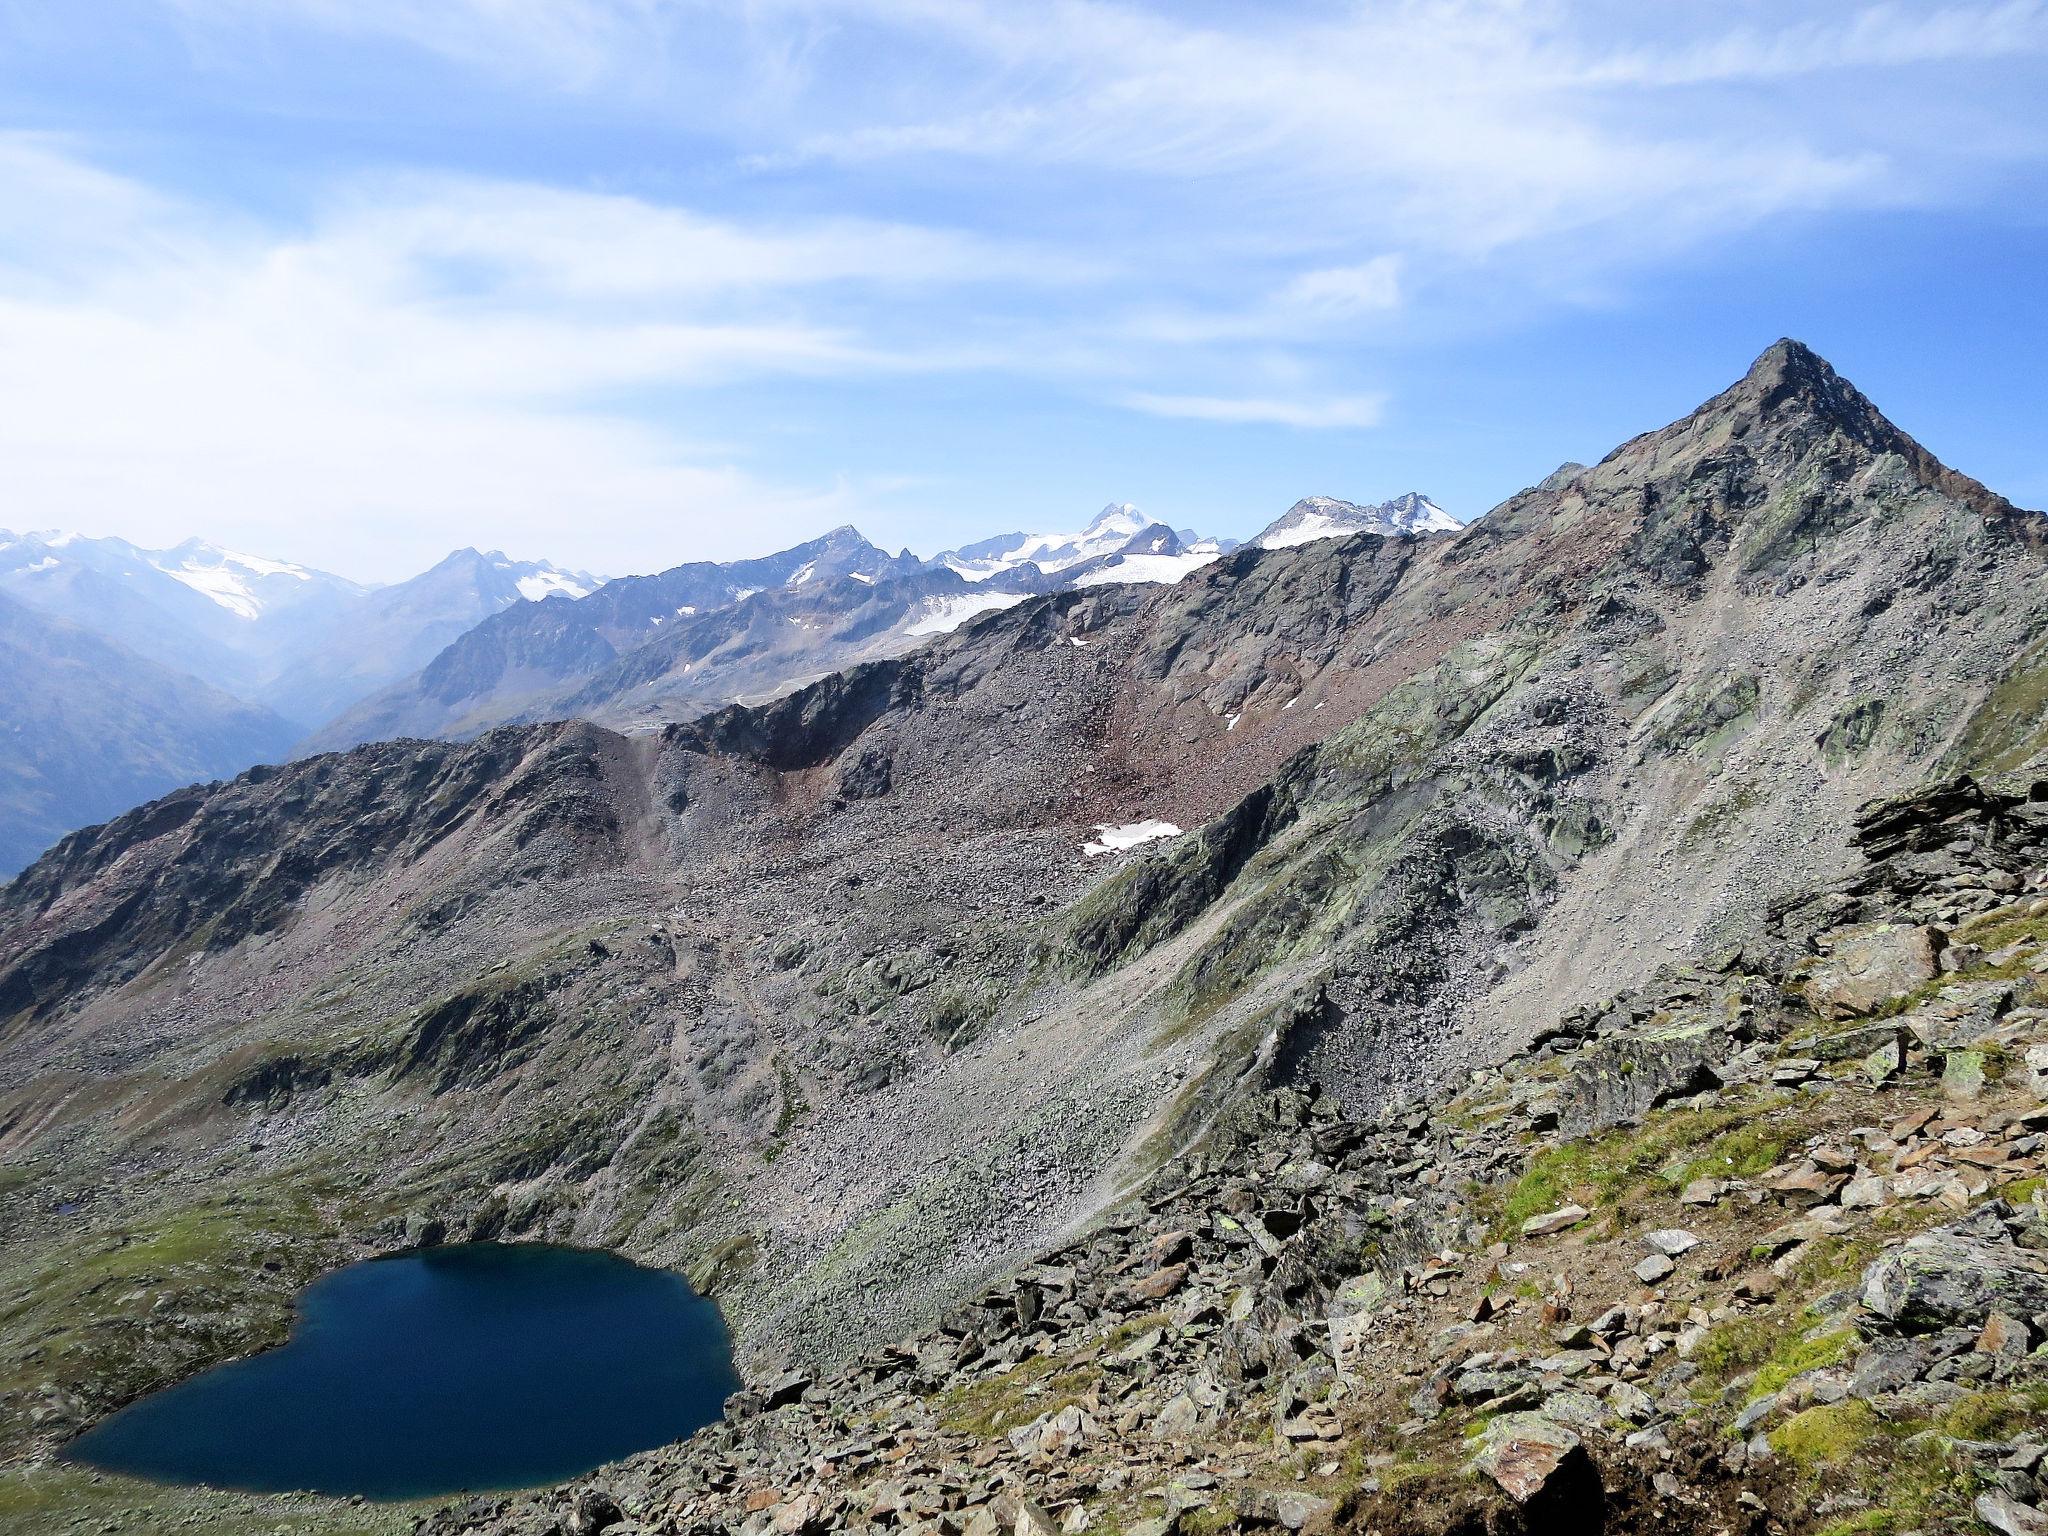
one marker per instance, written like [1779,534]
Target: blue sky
[627,282]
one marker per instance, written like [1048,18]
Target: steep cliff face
[824,998]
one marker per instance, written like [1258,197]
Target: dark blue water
[474,1367]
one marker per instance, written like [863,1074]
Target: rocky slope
[823,1000]
[1761,1246]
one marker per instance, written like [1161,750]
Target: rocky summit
[1575,1069]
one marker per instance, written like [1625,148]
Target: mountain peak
[1790,381]
[1117,513]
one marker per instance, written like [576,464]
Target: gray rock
[1288,1510]
[1868,965]
[1941,1279]
[1554,1221]
[2007,1515]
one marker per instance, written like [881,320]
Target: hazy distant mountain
[519,657]
[217,614]
[396,630]
[1325,517]
[302,642]
[89,729]
[649,649]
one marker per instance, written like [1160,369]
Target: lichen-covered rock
[1870,964]
[1619,1081]
[1946,1279]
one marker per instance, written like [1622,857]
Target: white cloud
[1230,215]
[1340,292]
[570,44]
[1342,411]
[427,362]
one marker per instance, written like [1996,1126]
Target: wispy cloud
[1237,216]
[442,343]
[1343,411]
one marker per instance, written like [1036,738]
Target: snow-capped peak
[1325,517]
[245,585]
[1107,533]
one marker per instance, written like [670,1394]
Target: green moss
[1797,1354]
[1866,1522]
[1849,734]
[988,1407]
[2022,1191]
[57,1497]
[1993,1415]
[1829,1435]
[1709,714]
[1738,1345]
[1721,817]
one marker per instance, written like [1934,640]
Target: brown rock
[1525,1453]
[1160,1284]
[1170,1248]
[2004,1334]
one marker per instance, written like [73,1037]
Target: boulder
[1622,1079]
[1533,1457]
[593,1512]
[1870,964]
[1554,1221]
[1288,1510]
[1945,1279]
[1160,1284]
[2008,1516]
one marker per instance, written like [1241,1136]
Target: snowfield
[949,613]
[1111,839]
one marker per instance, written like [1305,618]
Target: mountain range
[272,658]
[858,1001]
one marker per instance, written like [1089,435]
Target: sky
[622,283]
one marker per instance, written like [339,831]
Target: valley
[821,1001]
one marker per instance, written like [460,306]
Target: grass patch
[107,1314]
[986,1408]
[1666,1152]
[1798,1354]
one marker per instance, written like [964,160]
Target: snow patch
[943,615]
[1166,569]
[1111,839]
